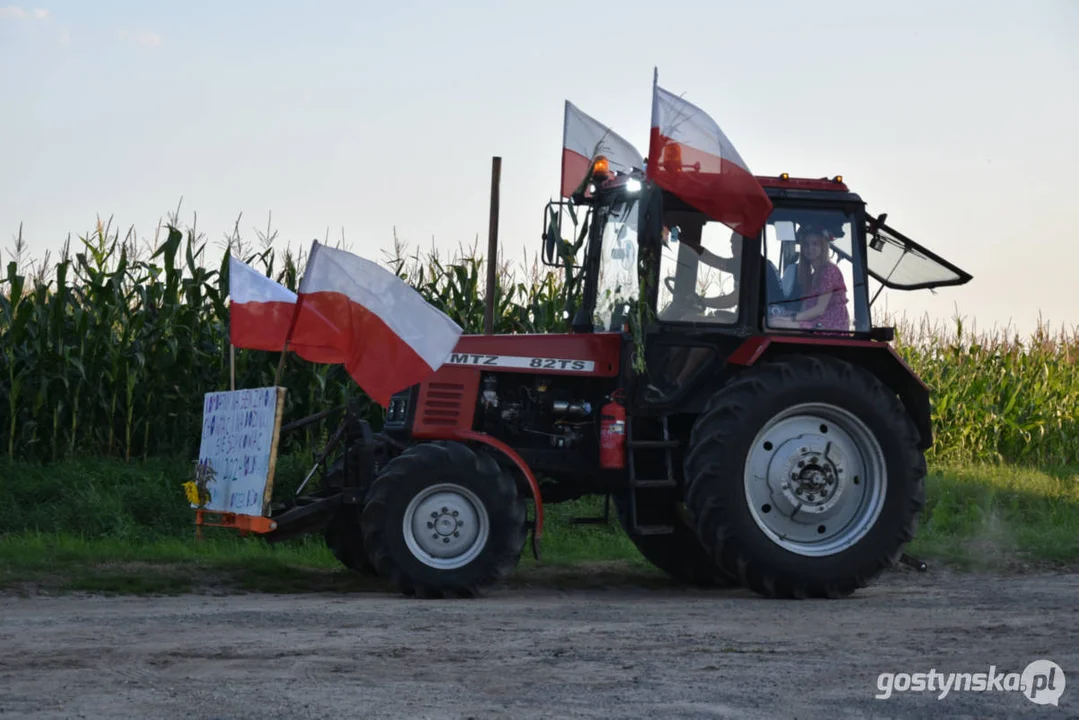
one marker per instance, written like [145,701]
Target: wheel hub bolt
[445,539]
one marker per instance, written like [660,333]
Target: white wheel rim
[815,479]
[446,526]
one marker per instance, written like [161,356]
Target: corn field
[109,350]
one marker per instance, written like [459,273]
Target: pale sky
[958,118]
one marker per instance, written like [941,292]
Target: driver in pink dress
[824,305]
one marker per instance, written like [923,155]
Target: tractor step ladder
[634,446]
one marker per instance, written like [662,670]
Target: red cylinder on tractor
[612,436]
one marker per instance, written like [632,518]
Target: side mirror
[548,247]
[552,232]
[557,250]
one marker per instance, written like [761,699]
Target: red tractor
[730,394]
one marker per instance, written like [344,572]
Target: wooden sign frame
[227,449]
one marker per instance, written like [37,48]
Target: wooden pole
[284,350]
[492,247]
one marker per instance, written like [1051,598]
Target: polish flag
[583,138]
[262,311]
[388,337]
[691,157]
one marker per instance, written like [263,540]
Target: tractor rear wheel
[345,540]
[679,554]
[442,520]
[343,535]
[804,478]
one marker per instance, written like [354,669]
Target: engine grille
[443,404]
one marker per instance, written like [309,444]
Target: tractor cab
[691,290]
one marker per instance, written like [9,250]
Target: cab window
[617,285]
[809,272]
[699,271]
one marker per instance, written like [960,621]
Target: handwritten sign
[240,432]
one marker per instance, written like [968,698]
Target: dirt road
[539,653]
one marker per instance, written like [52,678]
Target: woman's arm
[831,282]
[815,311]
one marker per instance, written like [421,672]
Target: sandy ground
[538,653]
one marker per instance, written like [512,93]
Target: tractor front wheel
[804,478]
[442,520]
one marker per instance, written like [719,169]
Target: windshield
[810,272]
[699,268]
[617,284]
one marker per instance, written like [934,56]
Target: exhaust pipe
[492,248]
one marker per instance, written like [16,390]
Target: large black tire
[344,538]
[679,554]
[881,451]
[342,533]
[470,479]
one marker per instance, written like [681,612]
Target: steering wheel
[692,299]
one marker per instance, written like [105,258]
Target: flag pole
[284,350]
[295,316]
[232,348]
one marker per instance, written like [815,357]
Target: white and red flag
[690,156]
[583,139]
[262,311]
[388,337]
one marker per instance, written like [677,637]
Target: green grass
[224,561]
[110,527]
[997,517]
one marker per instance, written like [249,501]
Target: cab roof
[786,182]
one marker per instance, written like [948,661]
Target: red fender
[521,465]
